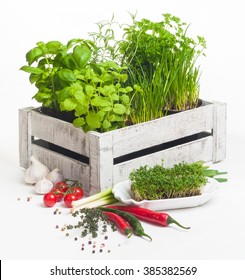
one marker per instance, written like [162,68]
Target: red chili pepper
[121,224]
[159,218]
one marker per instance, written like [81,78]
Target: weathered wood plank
[60,133]
[194,151]
[162,130]
[101,161]
[25,137]
[70,168]
[219,131]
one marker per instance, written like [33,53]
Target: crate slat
[70,168]
[162,130]
[60,133]
[25,136]
[191,152]
[219,131]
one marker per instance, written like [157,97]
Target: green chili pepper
[132,220]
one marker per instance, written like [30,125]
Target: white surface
[217,228]
[122,192]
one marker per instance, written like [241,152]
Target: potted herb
[69,79]
[161,59]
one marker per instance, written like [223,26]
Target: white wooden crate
[99,160]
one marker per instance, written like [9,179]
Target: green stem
[170,220]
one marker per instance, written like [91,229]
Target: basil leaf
[81,55]
[66,75]
[33,55]
[32,70]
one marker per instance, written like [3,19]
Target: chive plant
[161,59]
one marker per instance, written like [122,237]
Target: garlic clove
[43,186]
[36,171]
[55,176]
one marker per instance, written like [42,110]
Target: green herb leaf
[70,104]
[63,94]
[125,99]
[81,110]
[66,75]
[119,109]
[33,55]
[106,124]
[54,46]
[79,122]
[81,55]
[32,70]
[42,96]
[93,120]
[101,101]
[89,90]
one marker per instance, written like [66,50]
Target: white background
[218,228]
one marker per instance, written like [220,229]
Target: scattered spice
[91,219]
[57,211]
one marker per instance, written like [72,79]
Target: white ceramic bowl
[122,192]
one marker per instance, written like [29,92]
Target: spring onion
[100,199]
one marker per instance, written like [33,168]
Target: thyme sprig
[92,220]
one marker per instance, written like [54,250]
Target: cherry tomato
[63,186]
[49,199]
[78,192]
[69,198]
[58,193]
[60,189]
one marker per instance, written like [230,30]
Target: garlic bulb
[36,171]
[55,176]
[43,186]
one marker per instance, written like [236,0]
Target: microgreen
[181,180]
